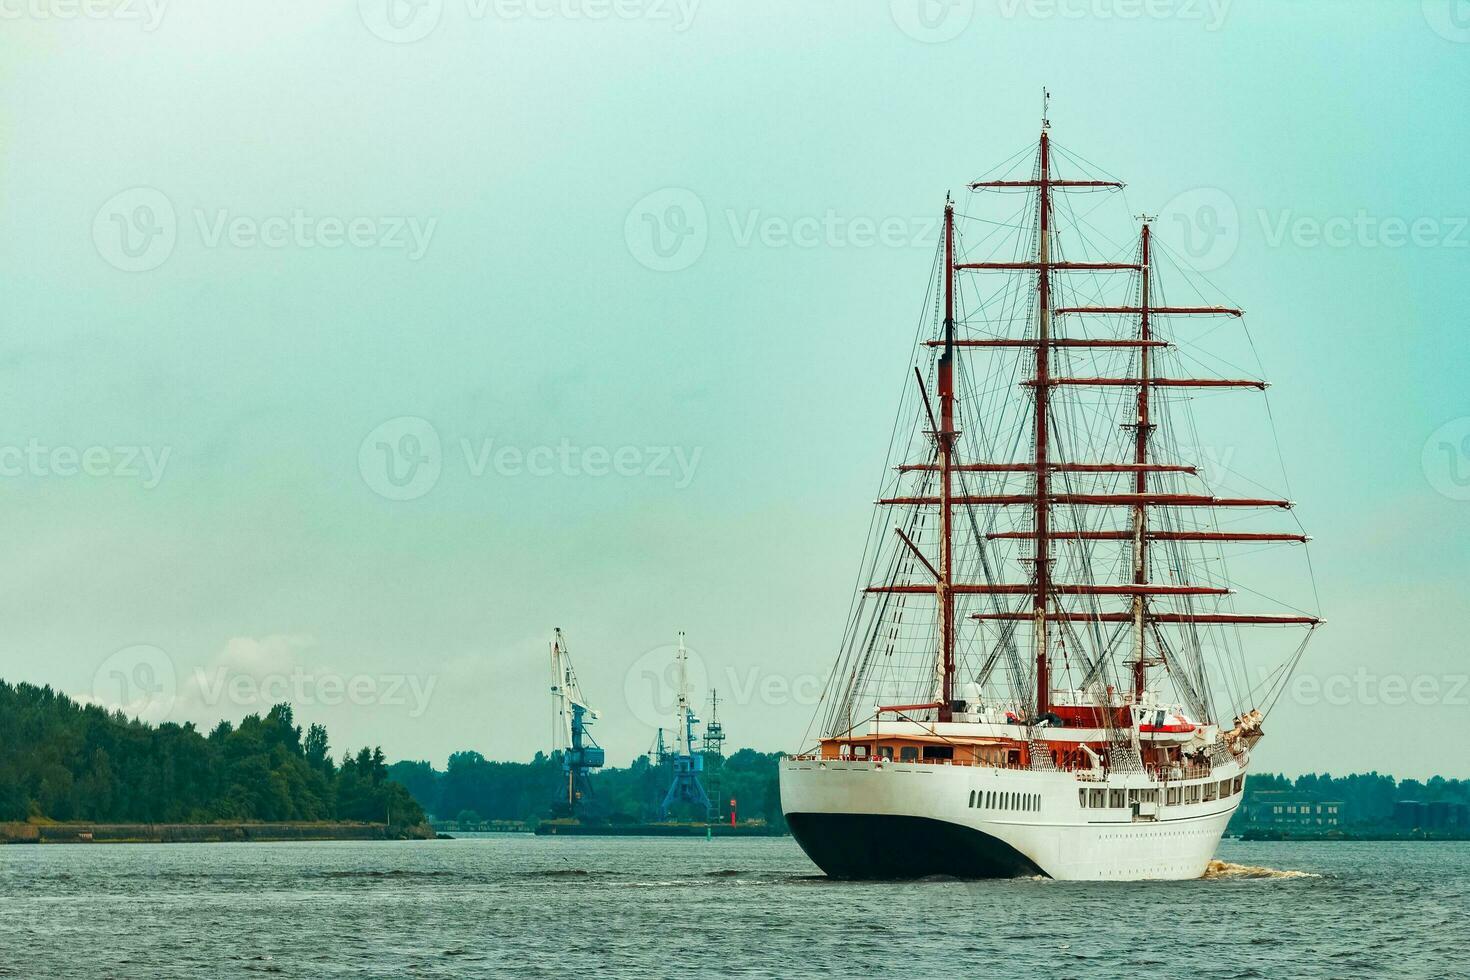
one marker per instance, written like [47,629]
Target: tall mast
[1141,432]
[1042,551]
[945,438]
[1136,585]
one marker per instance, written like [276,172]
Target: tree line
[474,789]
[61,760]
[1367,798]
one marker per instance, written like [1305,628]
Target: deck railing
[1159,774]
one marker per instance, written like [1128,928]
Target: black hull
[865,846]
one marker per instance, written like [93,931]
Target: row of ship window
[1176,795]
[1109,798]
[987,799]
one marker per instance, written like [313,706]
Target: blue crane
[580,753]
[688,761]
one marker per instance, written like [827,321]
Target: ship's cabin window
[938,753]
[908,753]
[1212,791]
[1239,782]
[1095,798]
[885,752]
[1173,796]
[1117,799]
[1224,789]
[972,799]
[990,800]
[859,751]
[1082,797]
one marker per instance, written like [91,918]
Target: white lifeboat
[1166,725]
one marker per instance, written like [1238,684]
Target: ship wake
[1224,870]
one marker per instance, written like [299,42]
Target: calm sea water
[520,906]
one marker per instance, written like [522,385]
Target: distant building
[1436,815]
[1409,814]
[1289,809]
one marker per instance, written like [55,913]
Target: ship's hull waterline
[888,820]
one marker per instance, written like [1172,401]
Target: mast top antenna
[1045,109]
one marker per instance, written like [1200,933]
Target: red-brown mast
[1041,588]
[945,438]
[1141,431]
[1042,550]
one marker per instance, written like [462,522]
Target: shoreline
[86,832]
[1352,836]
[555,828]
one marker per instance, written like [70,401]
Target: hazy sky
[350,348]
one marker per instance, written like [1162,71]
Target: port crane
[580,753]
[688,760]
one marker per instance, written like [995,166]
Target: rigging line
[1082,219]
[930,295]
[1295,660]
[1180,263]
[963,216]
[1011,162]
[1012,222]
[861,667]
[1083,163]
